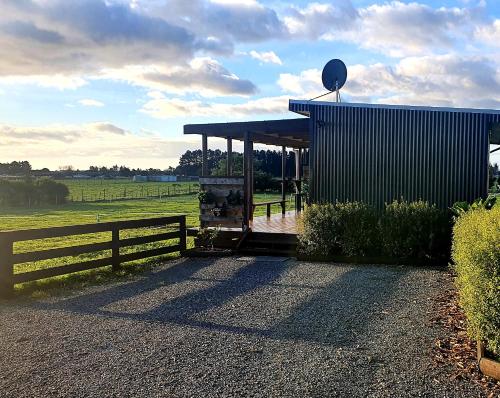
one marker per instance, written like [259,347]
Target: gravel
[227,328]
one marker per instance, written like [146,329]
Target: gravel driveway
[228,328]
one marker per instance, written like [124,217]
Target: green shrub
[318,230]
[51,192]
[357,226]
[415,230]
[476,254]
[29,193]
[348,228]
[402,230]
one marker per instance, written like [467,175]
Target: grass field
[74,213]
[99,189]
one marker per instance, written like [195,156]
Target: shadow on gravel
[339,314]
[344,311]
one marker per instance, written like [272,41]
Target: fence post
[6,268]
[268,210]
[182,231]
[115,248]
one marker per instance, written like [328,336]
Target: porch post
[298,204]
[247,174]
[204,155]
[283,178]
[229,160]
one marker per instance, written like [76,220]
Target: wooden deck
[277,223]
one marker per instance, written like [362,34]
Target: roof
[302,107]
[292,133]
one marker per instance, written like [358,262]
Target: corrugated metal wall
[377,154]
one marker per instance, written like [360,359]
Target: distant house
[161,178]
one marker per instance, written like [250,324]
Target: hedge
[476,254]
[403,230]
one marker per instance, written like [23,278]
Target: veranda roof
[293,133]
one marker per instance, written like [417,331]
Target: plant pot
[488,366]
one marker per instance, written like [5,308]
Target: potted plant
[234,204]
[207,199]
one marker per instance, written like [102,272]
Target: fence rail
[8,258]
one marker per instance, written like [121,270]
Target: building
[372,153]
[160,178]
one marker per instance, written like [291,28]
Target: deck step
[264,243]
[267,252]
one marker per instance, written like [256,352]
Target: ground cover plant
[476,254]
[402,230]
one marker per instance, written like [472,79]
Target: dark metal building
[378,153]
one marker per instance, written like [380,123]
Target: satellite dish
[334,75]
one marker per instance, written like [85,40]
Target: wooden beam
[298,204]
[297,164]
[229,160]
[204,155]
[283,172]
[247,174]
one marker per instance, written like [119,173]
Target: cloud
[266,57]
[77,40]
[59,81]
[161,107]
[233,21]
[400,29]
[86,144]
[203,75]
[489,34]
[318,19]
[28,30]
[394,28]
[90,102]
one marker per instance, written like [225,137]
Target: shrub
[402,230]
[51,192]
[318,230]
[476,254]
[415,230]
[348,228]
[357,226]
[28,192]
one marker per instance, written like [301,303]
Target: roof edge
[301,107]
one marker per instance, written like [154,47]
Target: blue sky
[106,82]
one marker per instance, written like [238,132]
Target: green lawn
[74,213]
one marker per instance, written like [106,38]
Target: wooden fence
[8,258]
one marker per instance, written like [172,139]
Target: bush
[344,228]
[403,230]
[318,230]
[51,192]
[28,192]
[415,230]
[476,254]
[357,226]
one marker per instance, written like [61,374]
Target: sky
[104,82]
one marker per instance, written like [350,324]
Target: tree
[16,168]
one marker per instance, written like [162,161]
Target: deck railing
[282,203]
[8,258]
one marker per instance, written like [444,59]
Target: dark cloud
[28,30]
